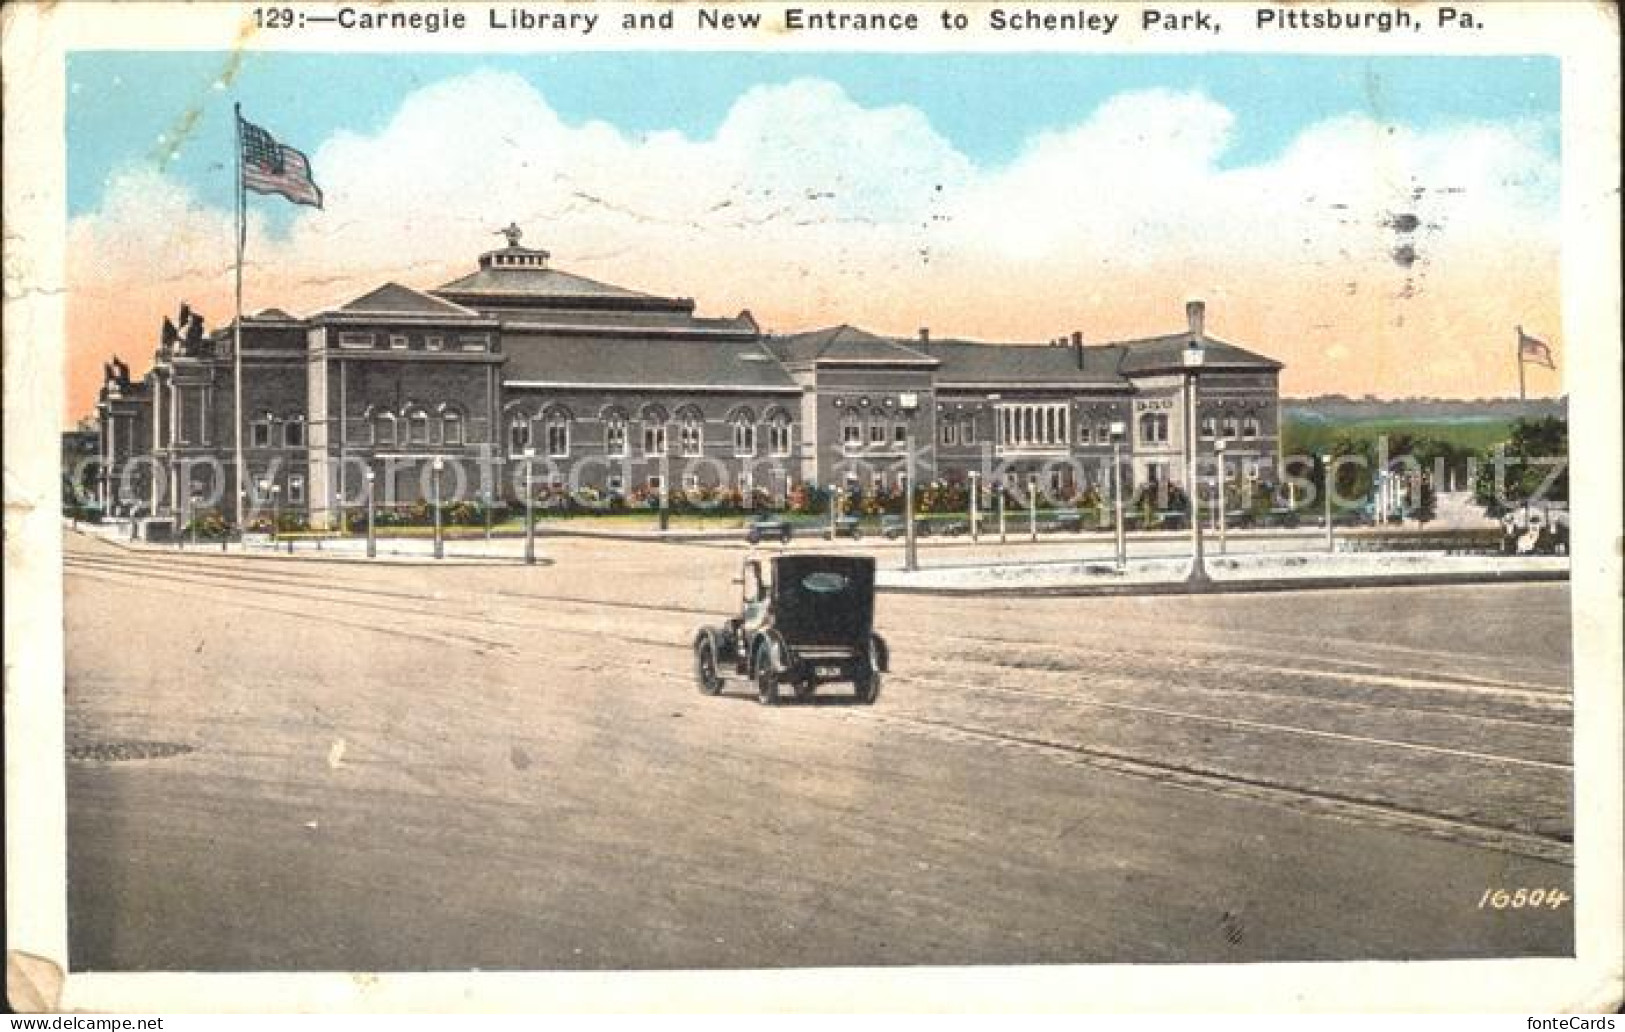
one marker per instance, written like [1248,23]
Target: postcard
[792,506]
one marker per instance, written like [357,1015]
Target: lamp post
[975,506]
[530,510]
[1221,476]
[1119,430]
[1032,507]
[834,510]
[372,533]
[1193,359]
[439,541]
[1326,485]
[911,555]
[195,499]
[665,487]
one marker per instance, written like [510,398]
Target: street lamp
[439,541]
[665,486]
[530,509]
[911,557]
[1220,479]
[999,499]
[975,506]
[1032,506]
[1193,359]
[1119,430]
[1326,489]
[372,533]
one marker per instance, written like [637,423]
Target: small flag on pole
[270,167]
[1531,349]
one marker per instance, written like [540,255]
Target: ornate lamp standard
[911,557]
[1327,482]
[439,541]
[372,532]
[1118,431]
[1193,358]
[530,510]
[1220,479]
[975,506]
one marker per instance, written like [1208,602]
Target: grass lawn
[1308,436]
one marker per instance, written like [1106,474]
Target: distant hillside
[1336,408]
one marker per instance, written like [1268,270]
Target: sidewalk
[1279,571]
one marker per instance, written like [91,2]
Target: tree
[1530,466]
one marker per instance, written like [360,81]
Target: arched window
[615,433]
[653,418]
[690,432]
[384,428]
[293,432]
[557,423]
[518,433]
[451,427]
[744,436]
[417,427]
[778,432]
[1249,427]
[260,435]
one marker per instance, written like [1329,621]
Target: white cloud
[810,208]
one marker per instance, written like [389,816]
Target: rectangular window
[779,438]
[613,483]
[453,428]
[899,435]
[434,343]
[1209,427]
[654,440]
[418,427]
[851,434]
[296,489]
[744,439]
[386,430]
[1103,433]
[1249,428]
[293,434]
[950,432]
[615,439]
[1085,434]
[655,483]
[690,438]
[260,435]
[877,434]
[967,431]
[1229,426]
[397,341]
[558,439]
[691,481]
[355,340]
[472,341]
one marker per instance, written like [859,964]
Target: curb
[315,556]
[1238,587]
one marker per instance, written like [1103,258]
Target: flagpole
[1519,349]
[237,327]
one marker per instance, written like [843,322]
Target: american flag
[273,168]
[1531,349]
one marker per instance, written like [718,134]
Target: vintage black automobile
[805,620]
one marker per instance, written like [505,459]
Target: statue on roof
[513,234]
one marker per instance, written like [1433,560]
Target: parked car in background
[767,527]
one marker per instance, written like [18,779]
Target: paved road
[310,766]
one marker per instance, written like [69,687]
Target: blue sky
[127,109]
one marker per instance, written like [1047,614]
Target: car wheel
[705,665]
[804,689]
[867,684]
[767,679]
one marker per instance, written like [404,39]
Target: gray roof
[837,344]
[394,299]
[1159,354]
[530,281]
[980,362]
[965,361]
[586,361]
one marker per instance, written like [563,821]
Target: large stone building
[523,370]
